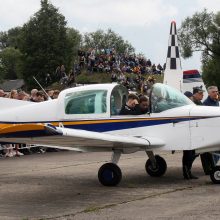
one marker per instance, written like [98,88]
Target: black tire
[109,174]
[160,169]
[215,175]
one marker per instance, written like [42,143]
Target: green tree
[10,66]
[10,38]
[201,32]
[44,43]
[10,55]
[74,40]
[101,40]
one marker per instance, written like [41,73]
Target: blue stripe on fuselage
[110,126]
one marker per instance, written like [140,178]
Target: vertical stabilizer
[173,74]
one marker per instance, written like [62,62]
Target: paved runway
[64,185]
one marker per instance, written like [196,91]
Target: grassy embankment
[91,78]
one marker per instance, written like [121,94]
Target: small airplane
[86,118]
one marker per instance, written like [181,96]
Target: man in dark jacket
[189,155]
[210,160]
[130,108]
[143,106]
[212,99]
[198,95]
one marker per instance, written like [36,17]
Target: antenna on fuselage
[42,88]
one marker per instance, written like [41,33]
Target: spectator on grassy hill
[57,74]
[71,77]
[148,63]
[48,79]
[114,77]
[63,75]
[159,69]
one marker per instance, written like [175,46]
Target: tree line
[201,32]
[45,42]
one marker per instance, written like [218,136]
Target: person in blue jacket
[209,160]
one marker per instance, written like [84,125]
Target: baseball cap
[197,89]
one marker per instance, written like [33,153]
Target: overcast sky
[144,23]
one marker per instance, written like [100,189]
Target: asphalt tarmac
[64,186]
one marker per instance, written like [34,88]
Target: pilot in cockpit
[130,107]
[143,107]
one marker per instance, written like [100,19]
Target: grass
[91,78]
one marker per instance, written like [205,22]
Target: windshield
[164,97]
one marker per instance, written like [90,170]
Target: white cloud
[144,23]
[93,12]
[16,12]
[211,5]
[117,12]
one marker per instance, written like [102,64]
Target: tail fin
[173,74]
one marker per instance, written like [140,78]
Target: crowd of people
[11,150]
[34,96]
[129,70]
[108,60]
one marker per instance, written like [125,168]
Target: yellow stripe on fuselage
[20,127]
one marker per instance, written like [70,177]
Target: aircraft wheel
[215,175]
[160,168]
[109,174]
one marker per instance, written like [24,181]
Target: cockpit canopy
[163,97]
[107,100]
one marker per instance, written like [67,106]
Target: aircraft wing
[65,138]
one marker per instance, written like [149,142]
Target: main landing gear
[110,174]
